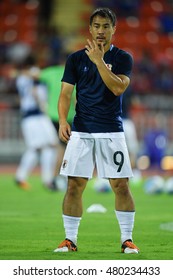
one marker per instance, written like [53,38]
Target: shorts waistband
[97,135]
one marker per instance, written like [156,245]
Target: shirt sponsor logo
[86,69]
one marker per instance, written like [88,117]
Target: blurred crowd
[150,76]
[154,77]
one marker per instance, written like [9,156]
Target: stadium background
[52,29]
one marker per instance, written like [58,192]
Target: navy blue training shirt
[97,108]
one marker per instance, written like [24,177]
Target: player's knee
[121,188]
[75,187]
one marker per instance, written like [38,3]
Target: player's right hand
[64,132]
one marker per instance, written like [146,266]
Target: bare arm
[116,83]
[63,109]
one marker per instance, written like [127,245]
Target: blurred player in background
[101,73]
[130,134]
[38,131]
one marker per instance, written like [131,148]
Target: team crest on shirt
[64,164]
[86,69]
[109,66]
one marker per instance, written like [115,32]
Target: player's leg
[123,197]
[78,164]
[45,137]
[113,162]
[125,213]
[30,157]
[72,204]
[27,163]
[72,213]
[48,159]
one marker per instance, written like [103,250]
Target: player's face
[102,31]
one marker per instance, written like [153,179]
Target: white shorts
[131,136]
[38,131]
[105,151]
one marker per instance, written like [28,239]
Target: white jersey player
[38,131]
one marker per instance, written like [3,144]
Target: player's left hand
[94,52]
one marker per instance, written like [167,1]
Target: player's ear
[114,30]
[90,28]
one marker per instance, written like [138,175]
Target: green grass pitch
[31,225]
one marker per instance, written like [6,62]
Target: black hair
[105,13]
[27,62]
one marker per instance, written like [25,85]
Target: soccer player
[39,133]
[101,73]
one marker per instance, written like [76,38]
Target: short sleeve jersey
[98,110]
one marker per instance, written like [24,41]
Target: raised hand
[95,52]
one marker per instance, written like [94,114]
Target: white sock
[126,224]
[28,161]
[71,225]
[48,162]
